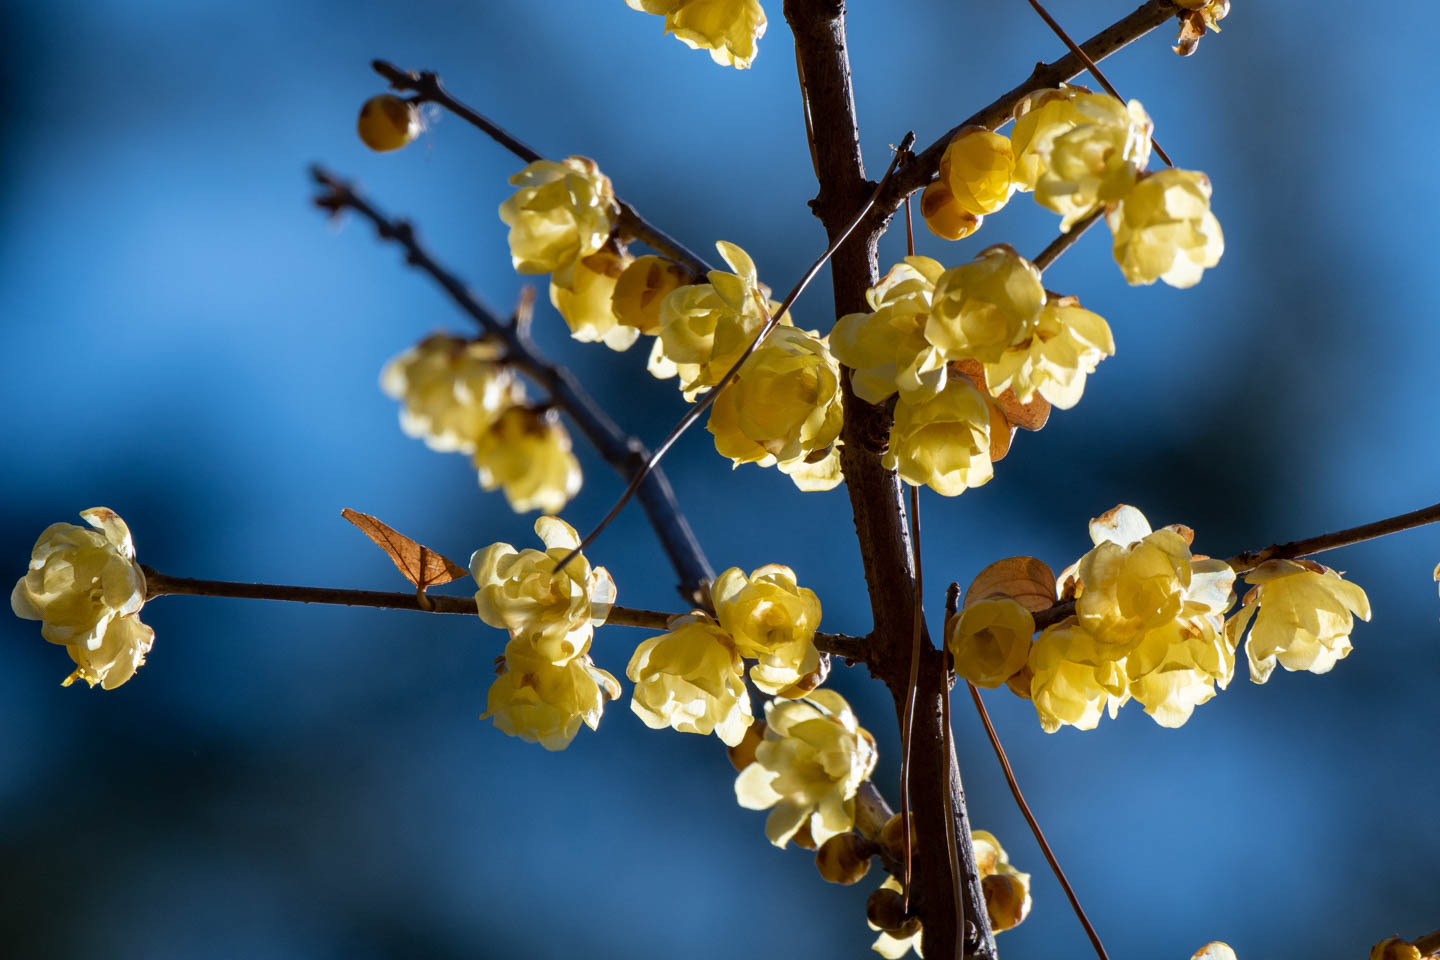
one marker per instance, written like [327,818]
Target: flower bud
[844,859]
[885,908]
[944,215]
[743,753]
[646,282]
[1007,899]
[388,123]
[978,165]
[892,837]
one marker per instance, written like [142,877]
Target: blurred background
[189,342]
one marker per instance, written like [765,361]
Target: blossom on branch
[773,621]
[978,167]
[729,29]
[982,307]
[990,640]
[944,214]
[691,679]
[528,453]
[1164,229]
[586,302]
[452,390]
[1006,890]
[886,349]
[1068,342]
[86,589]
[943,442]
[544,702]
[1093,162]
[642,288]
[1303,614]
[563,211]
[808,767]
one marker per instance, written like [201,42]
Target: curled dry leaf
[1026,580]
[1028,416]
[421,566]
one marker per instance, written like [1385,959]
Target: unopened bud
[387,122]
[885,908]
[892,837]
[1007,899]
[944,215]
[844,859]
[743,753]
[645,283]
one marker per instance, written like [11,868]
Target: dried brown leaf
[1027,416]
[1026,580]
[421,566]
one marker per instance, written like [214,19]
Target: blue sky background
[188,342]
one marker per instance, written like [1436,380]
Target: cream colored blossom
[642,288]
[1006,890]
[1176,667]
[1068,342]
[943,442]
[563,211]
[773,621]
[1039,119]
[990,640]
[978,166]
[1096,161]
[1303,614]
[944,215]
[1219,950]
[1071,681]
[813,759]
[818,472]
[729,29]
[892,946]
[1164,229]
[86,589]
[886,349]
[983,307]
[705,327]
[783,404]
[519,591]
[586,302]
[527,452]
[542,702]
[691,679]
[452,390]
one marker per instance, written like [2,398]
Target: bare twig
[1066,240]
[1035,824]
[1429,944]
[161,585]
[428,89]
[1340,538]
[704,403]
[907,715]
[623,452]
[1093,67]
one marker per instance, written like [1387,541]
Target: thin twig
[698,409]
[428,89]
[623,452]
[1093,67]
[1429,944]
[162,585]
[952,830]
[1340,538]
[907,716]
[1035,824]
[1065,240]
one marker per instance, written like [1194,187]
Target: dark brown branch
[428,89]
[920,171]
[875,498]
[623,452]
[1066,240]
[160,585]
[1340,538]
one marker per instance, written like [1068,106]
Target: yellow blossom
[1391,948]
[943,442]
[586,302]
[1071,681]
[1068,342]
[1164,229]
[818,472]
[729,29]
[452,389]
[990,640]
[1176,667]
[1303,613]
[705,327]
[86,589]
[1006,890]
[563,211]
[642,287]
[886,349]
[527,452]
[811,762]
[773,621]
[691,679]
[1039,119]
[890,945]
[519,591]
[982,307]
[783,404]
[944,215]
[977,166]
[542,702]
[1096,161]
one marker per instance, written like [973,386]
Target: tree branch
[623,452]
[161,585]
[428,89]
[875,499]
[1065,240]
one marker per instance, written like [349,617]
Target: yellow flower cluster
[86,589]
[1303,613]
[773,621]
[458,395]
[549,684]
[1149,625]
[993,313]
[1006,890]
[729,29]
[783,407]
[808,767]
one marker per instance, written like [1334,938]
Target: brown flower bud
[844,859]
